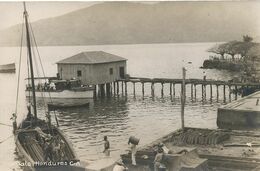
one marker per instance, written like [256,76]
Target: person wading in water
[106,147]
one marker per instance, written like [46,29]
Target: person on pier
[204,75]
[106,147]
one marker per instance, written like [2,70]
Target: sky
[12,12]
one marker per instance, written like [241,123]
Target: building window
[111,71]
[79,74]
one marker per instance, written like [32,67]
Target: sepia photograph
[130,85]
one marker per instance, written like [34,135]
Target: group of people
[159,161]
[53,146]
[43,86]
[120,166]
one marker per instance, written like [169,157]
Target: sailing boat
[41,144]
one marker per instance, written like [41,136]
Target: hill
[137,23]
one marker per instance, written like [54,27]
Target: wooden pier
[227,88]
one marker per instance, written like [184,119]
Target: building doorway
[122,72]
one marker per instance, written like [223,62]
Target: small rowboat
[60,105]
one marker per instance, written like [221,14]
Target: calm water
[117,117]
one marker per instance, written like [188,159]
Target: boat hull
[55,105]
[7,68]
[64,94]
[33,161]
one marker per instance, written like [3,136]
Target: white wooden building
[93,67]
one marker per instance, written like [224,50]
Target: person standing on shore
[133,150]
[106,147]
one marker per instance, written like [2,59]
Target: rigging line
[36,46]
[42,94]
[19,71]
[38,73]
[6,139]
[30,59]
[28,72]
[5,124]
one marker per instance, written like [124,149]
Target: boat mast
[30,59]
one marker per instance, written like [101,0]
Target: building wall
[92,74]
[257,68]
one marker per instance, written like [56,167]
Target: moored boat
[42,145]
[7,68]
[63,105]
[60,89]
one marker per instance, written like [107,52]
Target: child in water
[106,147]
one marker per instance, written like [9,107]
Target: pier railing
[207,86]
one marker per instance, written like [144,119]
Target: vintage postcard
[130,85]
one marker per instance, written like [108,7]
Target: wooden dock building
[242,113]
[96,68]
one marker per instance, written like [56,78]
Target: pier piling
[229,93]
[224,93]
[134,88]
[217,92]
[114,87]
[210,92]
[102,90]
[191,92]
[108,89]
[126,88]
[203,86]
[143,89]
[95,91]
[195,92]
[162,93]
[189,82]
[117,87]
[111,89]
[173,89]
[122,87]
[152,89]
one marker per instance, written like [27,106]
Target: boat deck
[223,150]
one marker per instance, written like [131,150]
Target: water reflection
[87,126]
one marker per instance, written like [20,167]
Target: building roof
[92,57]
